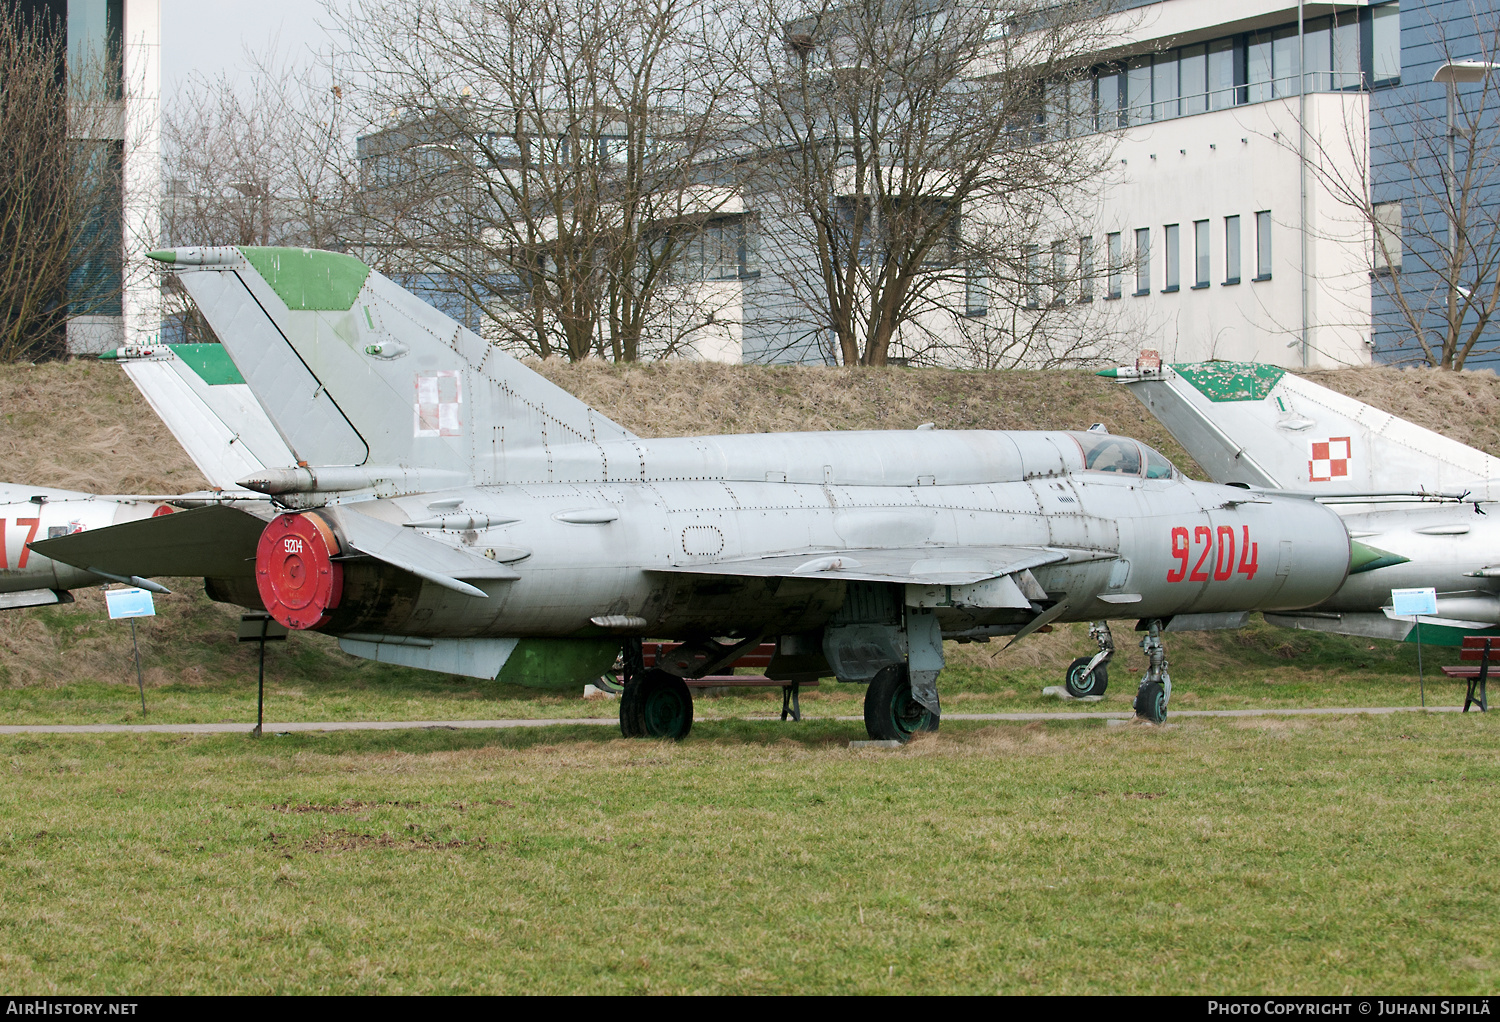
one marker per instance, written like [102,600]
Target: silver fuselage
[1136,547]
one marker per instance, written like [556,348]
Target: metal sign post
[132,603]
[1416,603]
[260,628]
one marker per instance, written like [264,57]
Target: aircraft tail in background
[198,393]
[1263,426]
[358,373]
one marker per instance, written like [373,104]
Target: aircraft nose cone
[298,580]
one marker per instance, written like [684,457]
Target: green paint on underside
[306,278]
[210,361]
[1364,558]
[1445,635]
[1231,381]
[558,663]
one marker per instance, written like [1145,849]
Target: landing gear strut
[1089,676]
[1156,685]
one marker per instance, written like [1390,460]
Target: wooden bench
[1475,648]
[791,705]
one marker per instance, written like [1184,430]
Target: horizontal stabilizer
[211,542]
[915,565]
[411,551]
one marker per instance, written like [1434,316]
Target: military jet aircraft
[29,579]
[1413,500]
[449,509]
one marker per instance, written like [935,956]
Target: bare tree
[549,163]
[267,164]
[1421,180]
[60,187]
[907,154]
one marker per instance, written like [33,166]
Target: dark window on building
[1258,67]
[976,291]
[1138,91]
[95,279]
[1114,282]
[1031,258]
[96,34]
[721,248]
[1165,86]
[1171,250]
[1201,268]
[1385,44]
[1346,69]
[1285,69]
[1222,81]
[1231,250]
[1059,273]
[1109,100]
[1143,261]
[1263,245]
[1387,255]
[1085,269]
[1192,70]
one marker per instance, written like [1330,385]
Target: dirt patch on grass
[349,805]
[343,840]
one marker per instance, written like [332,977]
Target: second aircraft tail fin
[1261,425]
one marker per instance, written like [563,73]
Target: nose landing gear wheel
[892,713]
[1151,702]
[656,705]
[1081,682]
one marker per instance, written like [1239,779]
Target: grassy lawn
[1251,855]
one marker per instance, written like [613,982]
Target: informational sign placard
[1414,602]
[124,603]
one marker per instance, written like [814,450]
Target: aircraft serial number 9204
[1223,559]
[457,512]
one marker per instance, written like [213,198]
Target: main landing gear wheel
[892,713]
[1151,702]
[1081,682]
[656,705]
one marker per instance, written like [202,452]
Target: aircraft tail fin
[354,370]
[198,393]
[1261,425]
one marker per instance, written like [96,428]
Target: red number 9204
[1216,553]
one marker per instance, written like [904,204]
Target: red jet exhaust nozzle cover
[298,579]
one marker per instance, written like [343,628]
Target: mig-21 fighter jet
[1414,501]
[446,508]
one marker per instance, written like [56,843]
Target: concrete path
[401,725]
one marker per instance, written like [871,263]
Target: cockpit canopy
[1103,452]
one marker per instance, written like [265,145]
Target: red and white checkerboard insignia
[439,403]
[1330,459]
